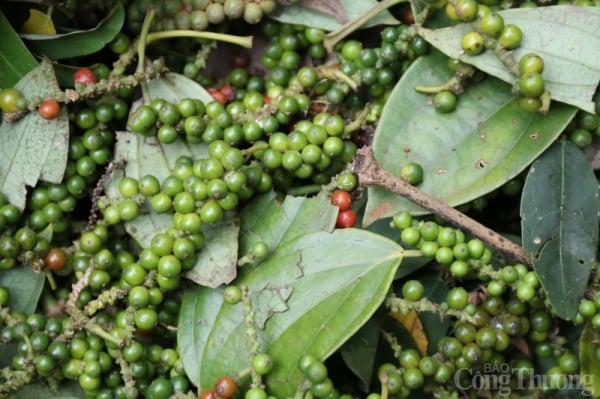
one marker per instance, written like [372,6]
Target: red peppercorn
[49,109]
[84,76]
[345,219]
[55,259]
[342,199]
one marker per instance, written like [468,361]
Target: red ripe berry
[84,76]
[49,109]
[267,99]
[240,60]
[345,219]
[407,15]
[55,259]
[229,93]
[225,387]
[208,394]
[342,199]
[220,97]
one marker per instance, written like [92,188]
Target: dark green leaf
[33,148]
[15,59]
[559,219]
[64,74]
[465,154]
[78,43]
[25,287]
[434,326]
[590,366]
[298,14]
[565,36]
[324,284]
[360,350]
[70,390]
[409,264]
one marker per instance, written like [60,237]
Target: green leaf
[465,154]
[269,220]
[15,59]
[324,284]
[384,228]
[298,14]
[78,43]
[434,326]
[360,350]
[33,148]
[559,220]
[216,262]
[69,390]
[566,37]
[590,366]
[174,86]
[25,287]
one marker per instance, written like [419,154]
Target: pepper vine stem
[370,173]
[243,41]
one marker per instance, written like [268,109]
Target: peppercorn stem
[454,84]
[402,305]
[370,173]
[51,279]
[97,330]
[141,44]
[332,38]
[385,392]
[545,98]
[358,122]
[332,73]
[243,41]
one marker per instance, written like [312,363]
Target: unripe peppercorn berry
[531,84]
[531,62]
[412,173]
[492,24]
[511,36]
[444,101]
[472,43]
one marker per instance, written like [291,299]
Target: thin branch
[370,173]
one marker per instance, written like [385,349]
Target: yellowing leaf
[38,23]
[413,326]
